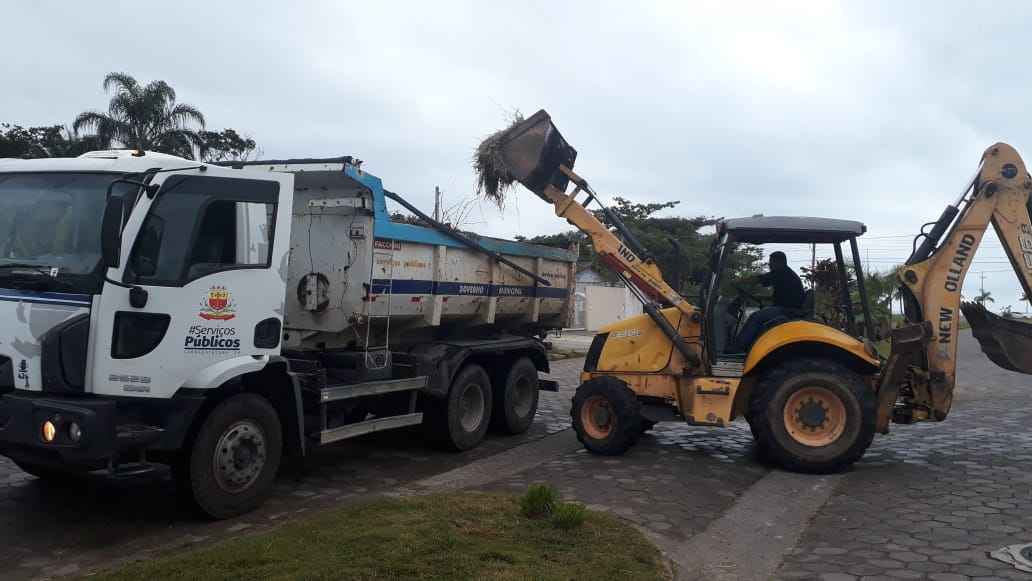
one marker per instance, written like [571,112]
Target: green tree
[226,145]
[44,141]
[984,297]
[676,243]
[144,117]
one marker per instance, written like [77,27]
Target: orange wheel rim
[815,416]
[597,417]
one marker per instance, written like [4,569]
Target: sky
[872,111]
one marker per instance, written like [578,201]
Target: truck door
[210,252]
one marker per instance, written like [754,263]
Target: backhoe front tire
[813,415]
[606,416]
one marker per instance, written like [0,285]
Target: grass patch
[539,501]
[458,536]
[569,516]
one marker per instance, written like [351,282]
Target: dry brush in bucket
[493,176]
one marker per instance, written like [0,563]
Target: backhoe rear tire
[813,415]
[606,416]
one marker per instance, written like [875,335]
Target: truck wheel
[231,467]
[516,399]
[813,415]
[459,422]
[606,416]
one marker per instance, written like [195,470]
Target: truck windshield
[50,229]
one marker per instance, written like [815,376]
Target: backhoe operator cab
[806,386]
[726,315]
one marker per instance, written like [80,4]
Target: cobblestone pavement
[672,483]
[48,531]
[929,501]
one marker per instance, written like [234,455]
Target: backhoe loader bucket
[533,150]
[1007,342]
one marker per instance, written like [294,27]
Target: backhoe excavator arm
[933,276]
[535,154]
[621,257]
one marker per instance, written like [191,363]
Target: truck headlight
[49,431]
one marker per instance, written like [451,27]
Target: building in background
[598,302]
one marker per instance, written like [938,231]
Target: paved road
[927,502]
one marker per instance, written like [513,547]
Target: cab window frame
[215,189]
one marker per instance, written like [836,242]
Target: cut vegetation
[461,536]
[493,175]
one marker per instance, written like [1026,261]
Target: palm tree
[144,117]
[984,297]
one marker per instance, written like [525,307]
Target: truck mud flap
[548,385]
[1007,342]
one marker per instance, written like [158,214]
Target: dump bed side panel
[345,248]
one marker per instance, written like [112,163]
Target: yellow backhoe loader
[813,393]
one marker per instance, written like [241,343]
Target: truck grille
[6,375]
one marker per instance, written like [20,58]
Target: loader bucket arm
[537,155]
[933,277]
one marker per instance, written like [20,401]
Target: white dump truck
[156,310]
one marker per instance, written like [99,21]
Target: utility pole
[813,265]
[437,203]
[981,288]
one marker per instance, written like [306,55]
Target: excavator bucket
[1007,342]
[533,150]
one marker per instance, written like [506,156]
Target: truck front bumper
[22,420]
[106,427]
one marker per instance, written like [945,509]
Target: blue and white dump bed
[351,268]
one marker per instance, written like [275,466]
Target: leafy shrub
[569,516]
[540,500]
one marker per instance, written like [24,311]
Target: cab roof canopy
[790,229]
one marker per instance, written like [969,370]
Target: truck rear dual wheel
[231,467]
[812,415]
[460,421]
[606,415]
[516,398]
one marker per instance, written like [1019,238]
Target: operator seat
[806,311]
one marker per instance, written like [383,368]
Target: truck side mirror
[111,231]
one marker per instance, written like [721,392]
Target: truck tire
[606,416]
[460,421]
[813,415]
[516,398]
[231,466]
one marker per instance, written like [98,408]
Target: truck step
[368,427]
[339,392]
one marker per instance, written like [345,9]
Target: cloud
[875,111]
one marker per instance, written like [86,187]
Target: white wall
[607,304]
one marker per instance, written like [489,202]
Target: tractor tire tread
[767,441]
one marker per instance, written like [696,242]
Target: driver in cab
[788,298]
